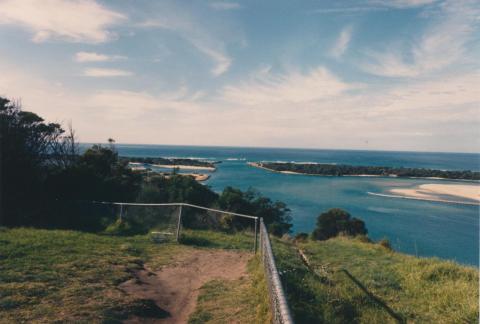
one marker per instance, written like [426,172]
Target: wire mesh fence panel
[278,301]
[159,221]
[216,229]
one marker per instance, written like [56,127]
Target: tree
[336,221]
[29,149]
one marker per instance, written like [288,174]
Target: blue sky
[372,74]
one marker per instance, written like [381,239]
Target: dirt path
[174,288]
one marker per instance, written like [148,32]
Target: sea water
[423,228]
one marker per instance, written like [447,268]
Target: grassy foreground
[239,301]
[69,276]
[359,282]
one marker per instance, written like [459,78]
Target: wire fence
[278,301]
[169,221]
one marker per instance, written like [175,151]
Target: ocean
[422,228]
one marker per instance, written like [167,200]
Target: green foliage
[124,227]
[300,237]
[275,215]
[385,243]
[43,172]
[29,149]
[337,221]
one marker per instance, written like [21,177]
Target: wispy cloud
[193,32]
[443,43]
[224,5]
[347,10]
[374,5]
[105,73]
[96,57]
[294,87]
[342,42]
[74,21]
[402,4]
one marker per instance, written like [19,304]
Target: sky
[366,74]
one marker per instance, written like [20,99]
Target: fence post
[121,213]
[256,236]
[179,224]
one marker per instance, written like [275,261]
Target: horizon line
[288,148]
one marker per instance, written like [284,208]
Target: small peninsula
[322,169]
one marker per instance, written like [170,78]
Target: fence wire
[278,301]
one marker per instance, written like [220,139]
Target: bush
[336,221]
[301,237]
[385,243]
[123,227]
[363,238]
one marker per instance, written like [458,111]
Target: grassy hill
[350,280]
[70,276]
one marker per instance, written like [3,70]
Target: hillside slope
[349,280]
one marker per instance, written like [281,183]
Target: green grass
[236,301]
[418,290]
[218,240]
[69,276]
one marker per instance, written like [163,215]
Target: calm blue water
[416,227]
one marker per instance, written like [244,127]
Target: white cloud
[197,36]
[102,73]
[266,88]
[96,57]
[224,5]
[436,115]
[342,42]
[74,21]
[443,43]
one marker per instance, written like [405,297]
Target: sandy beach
[437,192]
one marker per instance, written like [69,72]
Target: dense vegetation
[165,161]
[351,280]
[352,170]
[45,182]
[337,221]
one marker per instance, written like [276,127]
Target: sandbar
[435,191]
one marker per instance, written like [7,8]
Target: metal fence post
[256,236]
[179,224]
[121,213]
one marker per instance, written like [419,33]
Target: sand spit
[188,167]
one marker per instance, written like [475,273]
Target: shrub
[301,237]
[385,243]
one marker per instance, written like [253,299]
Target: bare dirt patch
[175,287]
